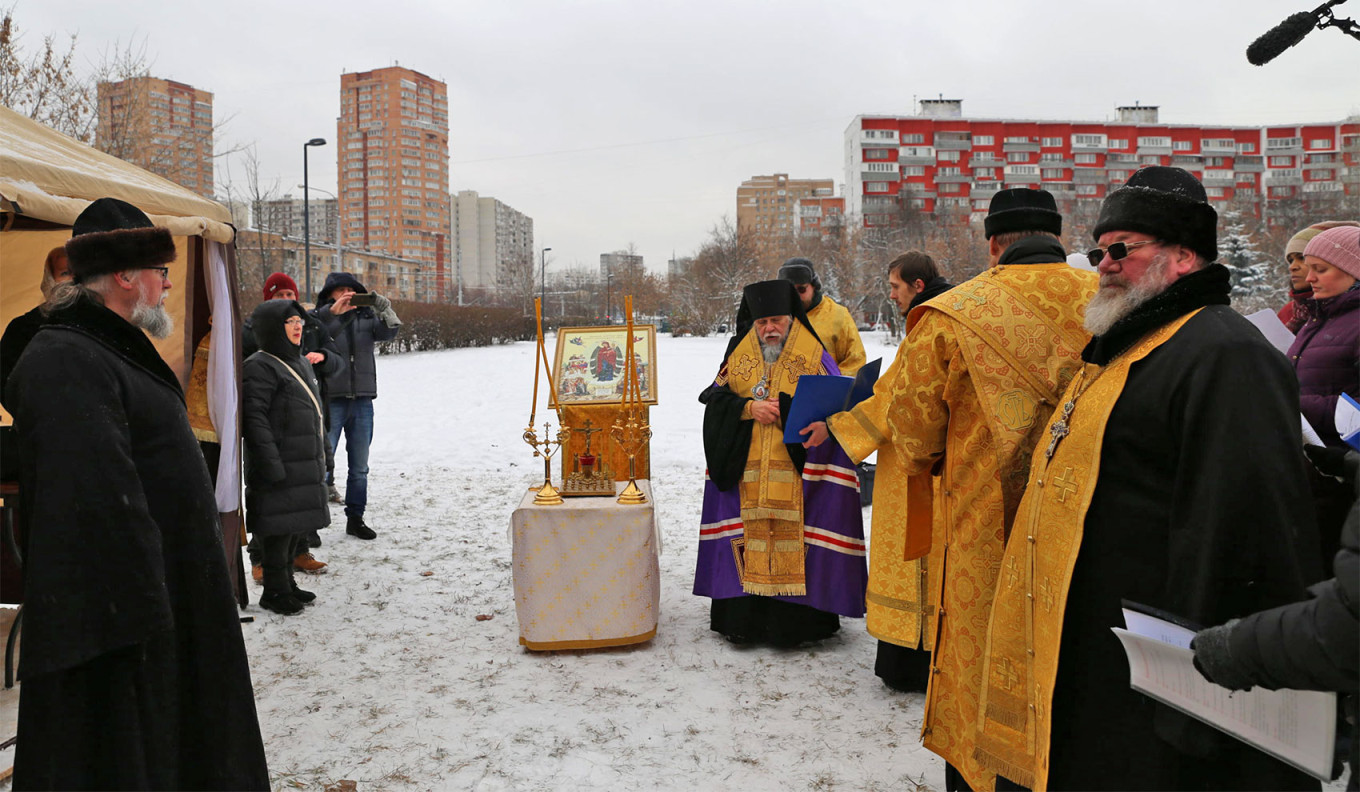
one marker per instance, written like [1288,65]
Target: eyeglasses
[296,321]
[164,271]
[1116,251]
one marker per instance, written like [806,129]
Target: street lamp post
[608,296]
[543,276]
[307,216]
[339,248]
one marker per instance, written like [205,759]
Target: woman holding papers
[1326,357]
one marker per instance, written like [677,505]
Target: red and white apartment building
[940,159]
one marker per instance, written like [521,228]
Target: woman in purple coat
[1326,356]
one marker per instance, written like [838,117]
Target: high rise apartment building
[285,217]
[161,125]
[766,205]
[621,264]
[940,159]
[392,147]
[488,237]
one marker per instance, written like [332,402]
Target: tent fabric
[49,176]
[223,384]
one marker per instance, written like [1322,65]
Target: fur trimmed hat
[1339,247]
[1300,240]
[112,236]
[1022,209]
[1164,202]
[278,280]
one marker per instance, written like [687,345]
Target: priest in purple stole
[781,544]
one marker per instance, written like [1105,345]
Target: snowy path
[391,681]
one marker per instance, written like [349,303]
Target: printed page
[1296,726]
[1273,329]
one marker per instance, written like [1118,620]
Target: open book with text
[1295,726]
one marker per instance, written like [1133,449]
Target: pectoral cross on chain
[1059,429]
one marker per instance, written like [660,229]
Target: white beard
[772,351]
[1112,304]
[154,319]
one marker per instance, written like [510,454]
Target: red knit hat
[278,281]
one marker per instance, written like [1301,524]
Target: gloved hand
[383,307]
[380,303]
[1213,657]
[1327,460]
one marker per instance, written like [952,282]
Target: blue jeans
[355,418]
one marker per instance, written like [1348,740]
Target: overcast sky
[618,122]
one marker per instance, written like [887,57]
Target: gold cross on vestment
[1006,675]
[1012,573]
[1066,483]
[1047,593]
[1059,429]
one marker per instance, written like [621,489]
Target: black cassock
[133,669]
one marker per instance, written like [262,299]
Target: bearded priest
[781,544]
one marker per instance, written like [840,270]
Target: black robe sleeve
[727,438]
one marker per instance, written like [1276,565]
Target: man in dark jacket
[1308,645]
[350,393]
[134,672]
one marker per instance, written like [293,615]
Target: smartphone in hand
[364,298]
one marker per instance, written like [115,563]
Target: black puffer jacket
[354,332]
[282,428]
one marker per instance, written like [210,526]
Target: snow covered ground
[389,679]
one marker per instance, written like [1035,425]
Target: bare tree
[258,253]
[44,85]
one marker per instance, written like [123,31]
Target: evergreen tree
[1248,269]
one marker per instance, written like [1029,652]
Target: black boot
[285,604]
[302,595]
[356,528]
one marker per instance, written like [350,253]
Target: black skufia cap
[769,298]
[1022,209]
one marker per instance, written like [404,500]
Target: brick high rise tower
[392,146]
[161,125]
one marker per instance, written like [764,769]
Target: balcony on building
[1089,176]
[1187,161]
[953,141]
[923,155]
[1285,177]
[1160,151]
[917,190]
[1219,178]
[1308,166]
[1009,147]
[1089,146]
[1212,148]
[985,189]
[953,178]
[1061,190]
[1249,165]
[1021,178]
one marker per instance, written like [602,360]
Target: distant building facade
[285,216]
[161,125]
[769,208]
[488,237]
[392,147]
[940,159]
[621,263]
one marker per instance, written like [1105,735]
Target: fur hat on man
[278,280]
[1300,240]
[1164,202]
[1339,247]
[799,271]
[112,236]
[1022,209]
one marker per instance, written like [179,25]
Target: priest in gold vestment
[1173,477]
[897,584]
[832,321]
[983,367]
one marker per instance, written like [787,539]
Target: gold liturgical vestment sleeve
[896,584]
[836,328]
[984,365]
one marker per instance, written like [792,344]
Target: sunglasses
[1116,251]
[164,271]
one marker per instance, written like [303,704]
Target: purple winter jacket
[1326,356]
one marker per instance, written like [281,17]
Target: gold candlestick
[630,432]
[547,494]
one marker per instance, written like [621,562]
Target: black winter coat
[283,431]
[355,333]
[127,599]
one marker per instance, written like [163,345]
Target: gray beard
[154,319]
[1110,305]
[772,352]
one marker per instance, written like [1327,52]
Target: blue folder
[820,396]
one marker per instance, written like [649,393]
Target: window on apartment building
[949,188]
[1052,173]
[1281,162]
[1017,156]
[1150,159]
[1320,143]
[1217,143]
[1182,145]
[984,140]
[1214,162]
[880,167]
[1052,156]
[1092,140]
[1324,174]
[1026,170]
[984,173]
[917,151]
[876,186]
[1086,189]
[950,171]
[1051,142]
[1316,158]
[1154,142]
[947,156]
[1283,143]
[1085,159]
[875,154]
[913,139]
[917,203]
[913,170]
